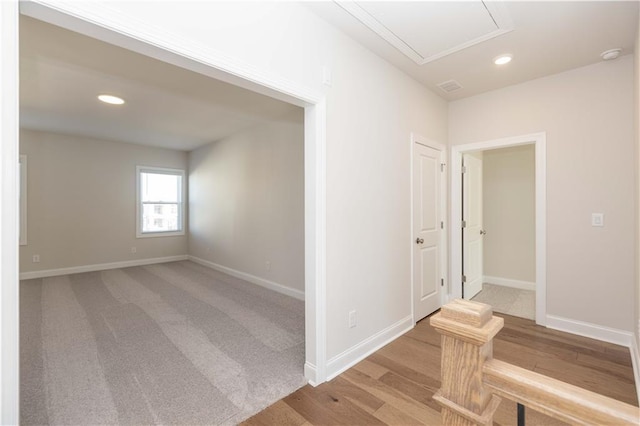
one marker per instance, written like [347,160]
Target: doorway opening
[498,211]
[467,245]
[150,42]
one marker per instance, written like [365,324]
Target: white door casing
[428,234]
[472,231]
[455,266]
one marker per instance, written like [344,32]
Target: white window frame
[181,207]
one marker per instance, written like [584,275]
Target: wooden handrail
[473,382]
[555,398]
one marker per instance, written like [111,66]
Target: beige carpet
[175,343]
[506,300]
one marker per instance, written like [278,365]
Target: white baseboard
[99,267]
[593,331]
[297,294]
[311,374]
[506,282]
[357,353]
[635,361]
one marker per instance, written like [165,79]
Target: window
[160,202]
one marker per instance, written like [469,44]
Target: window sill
[160,234]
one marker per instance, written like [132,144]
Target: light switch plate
[597,219]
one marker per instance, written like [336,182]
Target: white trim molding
[507,282]
[593,331]
[99,267]
[347,359]
[262,282]
[9,226]
[311,370]
[539,140]
[315,240]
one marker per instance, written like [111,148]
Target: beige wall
[588,116]
[372,110]
[82,201]
[246,197]
[508,179]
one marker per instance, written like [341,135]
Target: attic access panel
[426,31]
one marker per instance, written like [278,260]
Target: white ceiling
[62,72]
[438,41]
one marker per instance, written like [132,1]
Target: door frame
[9,235]
[99,21]
[444,252]
[539,140]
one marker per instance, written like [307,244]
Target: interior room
[508,231]
[289,176]
[162,246]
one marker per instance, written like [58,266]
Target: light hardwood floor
[394,386]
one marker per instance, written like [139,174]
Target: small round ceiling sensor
[610,54]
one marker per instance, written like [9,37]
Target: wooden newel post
[467,329]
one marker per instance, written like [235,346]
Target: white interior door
[472,231]
[427,226]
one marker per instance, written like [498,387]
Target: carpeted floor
[506,300]
[174,343]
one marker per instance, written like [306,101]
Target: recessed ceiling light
[502,59]
[110,99]
[608,55]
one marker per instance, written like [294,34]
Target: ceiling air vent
[450,86]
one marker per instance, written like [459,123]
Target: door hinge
[441,225]
[464,223]
[464,169]
[442,166]
[464,278]
[441,282]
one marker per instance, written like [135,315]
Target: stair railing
[473,382]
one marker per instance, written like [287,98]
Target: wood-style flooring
[394,385]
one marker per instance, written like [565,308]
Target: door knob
[419,240]
[483,232]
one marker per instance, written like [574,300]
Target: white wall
[588,116]
[372,109]
[81,201]
[508,180]
[246,198]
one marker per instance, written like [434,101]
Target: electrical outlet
[134,250]
[36,258]
[353,319]
[267,265]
